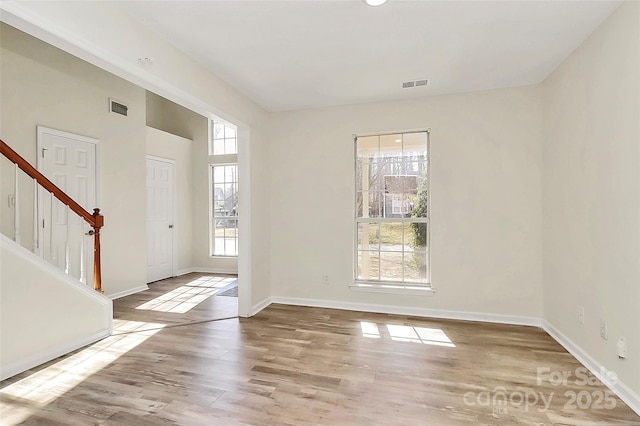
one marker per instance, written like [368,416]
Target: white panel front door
[159,219]
[70,162]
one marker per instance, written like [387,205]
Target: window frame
[216,160]
[212,139]
[386,286]
[213,218]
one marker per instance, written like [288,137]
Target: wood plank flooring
[293,365]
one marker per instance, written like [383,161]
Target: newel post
[97,276]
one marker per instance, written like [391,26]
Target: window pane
[368,236]
[230,146]
[218,200]
[359,203]
[229,173]
[415,266]
[377,170]
[391,266]
[391,146]
[218,174]
[368,146]
[368,204]
[416,235]
[415,144]
[368,265]
[218,131]
[226,237]
[391,236]
[375,204]
[218,147]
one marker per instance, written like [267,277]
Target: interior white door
[70,162]
[159,219]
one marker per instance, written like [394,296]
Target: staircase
[45,312]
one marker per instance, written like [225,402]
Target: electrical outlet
[325,279]
[604,331]
[621,347]
[581,314]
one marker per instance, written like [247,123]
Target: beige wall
[591,187]
[42,85]
[63,318]
[486,200]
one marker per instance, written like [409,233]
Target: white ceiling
[296,54]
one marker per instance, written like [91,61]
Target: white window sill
[393,289]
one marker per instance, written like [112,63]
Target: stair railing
[95,219]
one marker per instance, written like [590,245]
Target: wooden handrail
[95,219]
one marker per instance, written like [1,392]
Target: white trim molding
[207,271]
[404,310]
[624,392]
[128,292]
[392,289]
[42,357]
[255,309]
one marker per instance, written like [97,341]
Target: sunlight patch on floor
[23,398]
[370,330]
[407,333]
[426,336]
[184,298]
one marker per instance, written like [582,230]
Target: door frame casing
[174,210]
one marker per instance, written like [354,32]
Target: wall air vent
[118,107]
[416,83]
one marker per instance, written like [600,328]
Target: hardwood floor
[292,365]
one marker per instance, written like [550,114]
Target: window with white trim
[223,194]
[392,209]
[224,139]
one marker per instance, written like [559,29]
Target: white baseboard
[260,306]
[207,271]
[128,292]
[404,310]
[184,272]
[12,369]
[623,391]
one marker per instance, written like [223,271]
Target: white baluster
[52,249]
[35,216]
[83,274]
[67,268]
[16,208]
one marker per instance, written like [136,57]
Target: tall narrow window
[225,209]
[223,197]
[392,209]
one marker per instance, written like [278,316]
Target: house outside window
[392,209]
[223,194]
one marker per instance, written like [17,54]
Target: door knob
[170,226]
[90,232]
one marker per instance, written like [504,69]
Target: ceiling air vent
[416,83]
[118,107]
